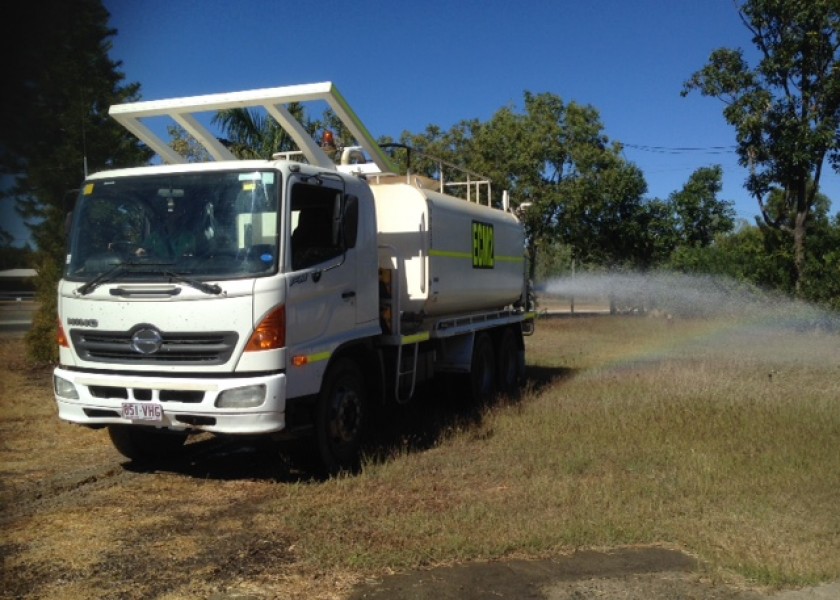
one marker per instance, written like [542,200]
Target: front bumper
[187,403]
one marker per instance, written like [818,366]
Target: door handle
[347,295]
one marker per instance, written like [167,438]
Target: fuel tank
[450,255]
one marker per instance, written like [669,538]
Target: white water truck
[285,298]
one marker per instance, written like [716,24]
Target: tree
[786,110]
[700,215]
[763,256]
[58,90]
[186,145]
[658,234]
[752,254]
[254,134]
[823,265]
[605,217]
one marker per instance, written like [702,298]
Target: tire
[508,368]
[147,444]
[482,376]
[341,418]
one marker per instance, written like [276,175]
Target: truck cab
[189,292]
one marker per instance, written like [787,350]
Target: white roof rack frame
[273,100]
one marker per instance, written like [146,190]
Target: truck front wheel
[341,418]
[144,444]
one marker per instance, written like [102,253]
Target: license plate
[142,411]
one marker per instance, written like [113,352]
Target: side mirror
[350,221]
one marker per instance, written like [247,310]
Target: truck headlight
[65,388]
[242,397]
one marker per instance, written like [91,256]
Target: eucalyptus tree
[786,109]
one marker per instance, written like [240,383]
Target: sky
[403,65]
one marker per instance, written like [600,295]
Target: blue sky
[405,65]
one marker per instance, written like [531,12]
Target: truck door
[321,300]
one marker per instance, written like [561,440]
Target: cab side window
[316,218]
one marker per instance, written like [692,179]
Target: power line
[681,149]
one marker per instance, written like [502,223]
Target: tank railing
[474,187]
[478,187]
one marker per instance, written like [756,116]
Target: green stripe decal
[468,256]
[319,357]
[450,254]
[414,339]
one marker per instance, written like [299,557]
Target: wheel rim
[345,419]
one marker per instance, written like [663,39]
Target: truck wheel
[341,418]
[482,369]
[508,367]
[147,443]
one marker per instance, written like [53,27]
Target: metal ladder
[404,373]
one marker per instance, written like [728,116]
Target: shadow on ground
[638,573]
[437,410]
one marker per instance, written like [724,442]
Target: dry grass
[716,437]
[700,435]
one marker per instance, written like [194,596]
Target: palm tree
[253,134]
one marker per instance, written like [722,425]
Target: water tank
[451,256]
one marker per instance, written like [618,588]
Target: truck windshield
[207,225]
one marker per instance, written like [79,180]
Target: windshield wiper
[115,271]
[207,288]
[108,275]
[118,269]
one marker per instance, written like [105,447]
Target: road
[15,314]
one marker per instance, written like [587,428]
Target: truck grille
[175,348]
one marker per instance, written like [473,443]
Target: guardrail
[13,296]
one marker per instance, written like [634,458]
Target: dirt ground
[78,521]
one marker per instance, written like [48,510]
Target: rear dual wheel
[496,369]
[509,366]
[482,377]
